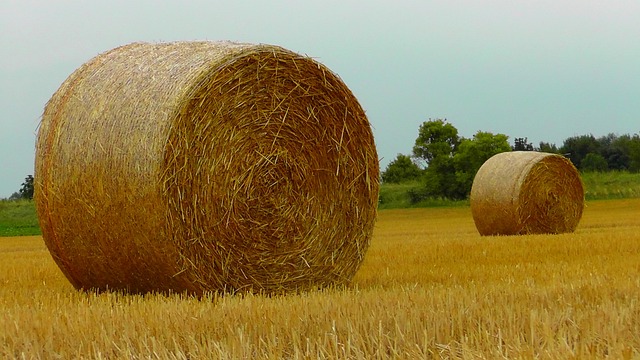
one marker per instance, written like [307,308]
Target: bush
[400,170]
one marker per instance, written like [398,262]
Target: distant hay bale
[526,192]
[205,166]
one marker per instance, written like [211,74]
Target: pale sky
[546,69]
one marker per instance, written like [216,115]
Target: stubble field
[430,287]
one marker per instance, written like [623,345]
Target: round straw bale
[205,166]
[526,192]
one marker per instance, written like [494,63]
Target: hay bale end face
[525,192]
[205,166]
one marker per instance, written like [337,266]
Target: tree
[578,147]
[26,189]
[436,145]
[548,148]
[521,144]
[440,179]
[472,153]
[436,138]
[450,175]
[401,169]
[615,150]
[594,162]
[634,153]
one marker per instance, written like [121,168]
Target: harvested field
[430,287]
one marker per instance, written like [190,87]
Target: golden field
[430,287]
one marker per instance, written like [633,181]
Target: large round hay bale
[205,166]
[526,192]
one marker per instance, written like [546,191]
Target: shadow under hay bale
[205,166]
[526,192]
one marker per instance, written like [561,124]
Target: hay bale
[205,166]
[524,192]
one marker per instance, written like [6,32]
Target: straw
[205,166]
[525,192]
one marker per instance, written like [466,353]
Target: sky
[545,70]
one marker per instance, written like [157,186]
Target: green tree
[616,150]
[436,138]
[634,153]
[522,144]
[578,147]
[450,175]
[548,148]
[472,153]
[594,162]
[440,179]
[401,169]
[26,189]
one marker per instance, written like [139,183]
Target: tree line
[445,163]
[26,190]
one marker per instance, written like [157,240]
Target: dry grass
[526,192]
[430,287]
[199,166]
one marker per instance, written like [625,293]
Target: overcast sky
[546,69]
